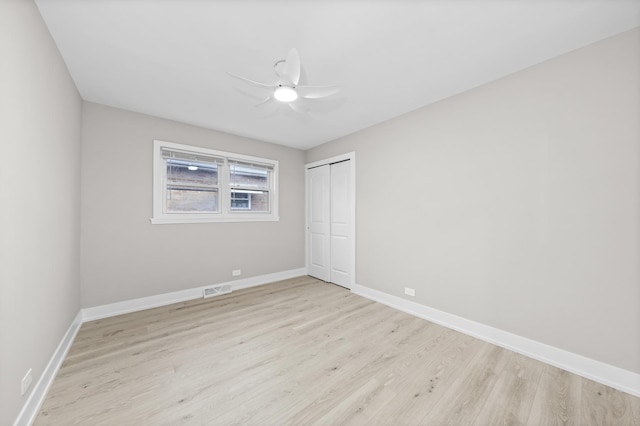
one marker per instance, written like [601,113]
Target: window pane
[249,201]
[248,177]
[184,199]
[192,172]
[240,201]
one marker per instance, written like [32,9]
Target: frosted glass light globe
[285,94]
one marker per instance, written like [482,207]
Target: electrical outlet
[236,272]
[26,382]
[409,291]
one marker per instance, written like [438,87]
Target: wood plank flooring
[301,351]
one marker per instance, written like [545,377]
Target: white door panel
[339,256]
[340,223]
[340,193]
[317,251]
[319,224]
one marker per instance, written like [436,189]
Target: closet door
[319,221]
[340,224]
[330,227]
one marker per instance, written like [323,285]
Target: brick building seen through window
[194,187]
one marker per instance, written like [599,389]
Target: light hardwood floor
[302,351]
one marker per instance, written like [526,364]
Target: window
[192,184]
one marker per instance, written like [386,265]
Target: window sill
[177,220]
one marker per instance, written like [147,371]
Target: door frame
[351,156]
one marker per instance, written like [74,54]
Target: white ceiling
[169,58]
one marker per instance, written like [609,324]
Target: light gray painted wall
[40,113]
[125,257]
[516,204]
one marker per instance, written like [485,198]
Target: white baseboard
[134,305]
[618,378]
[36,397]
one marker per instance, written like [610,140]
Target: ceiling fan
[288,89]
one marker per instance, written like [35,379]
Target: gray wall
[515,204]
[40,113]
[125,257]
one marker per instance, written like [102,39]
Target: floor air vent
[217,290]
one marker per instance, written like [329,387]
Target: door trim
[351,156]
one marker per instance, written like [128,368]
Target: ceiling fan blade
[258,96]
[298,107]
[317,92]
[292,66]
[254,83]
[264,101]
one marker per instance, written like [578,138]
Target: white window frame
[225,214]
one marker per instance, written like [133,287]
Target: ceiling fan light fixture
[285,94]
[288,88]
